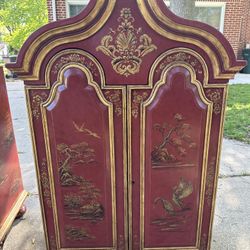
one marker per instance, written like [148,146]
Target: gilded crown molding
[157,16]
[28,70]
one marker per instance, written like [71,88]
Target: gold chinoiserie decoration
[215,97]
[176,210]
[124,47]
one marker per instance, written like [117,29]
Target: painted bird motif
[83,129]
[183,190]
[168,207]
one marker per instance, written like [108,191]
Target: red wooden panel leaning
[126,104]
[12,194]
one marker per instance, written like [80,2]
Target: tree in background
[183,8]
[19,18]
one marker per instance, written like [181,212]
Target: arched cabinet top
[153,30]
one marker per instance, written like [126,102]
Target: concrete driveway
[232,217]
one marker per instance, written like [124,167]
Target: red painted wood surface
[126,103]
[11,186]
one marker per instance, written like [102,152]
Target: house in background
[4,52]
[231,17]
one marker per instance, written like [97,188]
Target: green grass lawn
[237,125]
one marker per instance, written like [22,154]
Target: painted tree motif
[84,204]
[72,155]
[175,143]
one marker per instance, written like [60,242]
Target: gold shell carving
[125,47]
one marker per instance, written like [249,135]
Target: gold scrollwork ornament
[37,99]
[45,183]
[215,97]
[203,245]
[210,182]
[121,243]
[124,46]
[181,57]
[53,243]
[74,58]
[115,98]
[137,100]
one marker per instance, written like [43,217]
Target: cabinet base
[16,212]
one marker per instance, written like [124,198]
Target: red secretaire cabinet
[126,104]
[12,194]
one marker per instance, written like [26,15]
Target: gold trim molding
[143,106]
[101,97]
[102,83]
[74,38]
[192,30]
[110,4]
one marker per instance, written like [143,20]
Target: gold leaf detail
[71,155]
[176,210]
[124,47]
[37,99]
[85,130]
[115,98]
[53,243]
[3,179]
[45,183]
[15,186]
[175,145]
[137,100]
[76,234]
[121,243]
[73,58]
[204,240]
[210,182]
[215,97]
[181,57]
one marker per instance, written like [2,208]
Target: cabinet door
[81,169]
[168,162]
